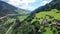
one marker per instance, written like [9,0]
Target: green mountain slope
[54,4]
[44,20]
[47,15]
[6,9]
[54,13]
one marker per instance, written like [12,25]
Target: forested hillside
[6,9]
[55,4]
[43,20]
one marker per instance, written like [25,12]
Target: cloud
[20,2]
[43,3]
[24,4]
[27,7]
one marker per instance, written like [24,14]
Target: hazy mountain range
[6,9]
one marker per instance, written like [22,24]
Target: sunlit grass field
[43,14]
[54,12]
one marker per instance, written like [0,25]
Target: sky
[28,4]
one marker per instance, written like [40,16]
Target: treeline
[26,27]
[54,4]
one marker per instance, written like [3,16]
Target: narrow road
[10,28]
[12,15]
[9,15]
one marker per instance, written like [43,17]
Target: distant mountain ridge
[6,8]
[54,4]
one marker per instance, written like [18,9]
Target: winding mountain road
[11,15]
[10,28]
